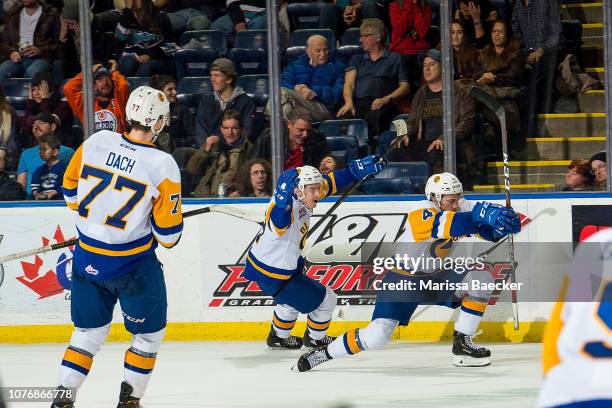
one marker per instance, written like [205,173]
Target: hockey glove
[283,193]
[369,165]
[494,215]
[489,234]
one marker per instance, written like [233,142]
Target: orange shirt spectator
[112,91]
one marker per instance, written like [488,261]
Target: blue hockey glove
[361,168]
[283,193]
[494,215]
[489,234]
[514,221]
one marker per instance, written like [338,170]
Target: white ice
[247,374]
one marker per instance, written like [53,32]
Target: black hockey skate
[290,343]
[61,401]
[312,359]
[312,343]
[467,354]
[125,397]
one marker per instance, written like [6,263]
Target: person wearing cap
[111,93]
[140,33]
[29,41]
[44,97]
[374,80]
[43,123]
[599,169]
[425,135]
[226,96]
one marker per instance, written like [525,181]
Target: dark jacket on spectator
[326,80]
[508,67]
[181,130]
[315,146]
[134,38]
[10,190]
[45,34]
[220,165]
[209,113]
[409,26]
[9,138]
[241,10]
[463,105]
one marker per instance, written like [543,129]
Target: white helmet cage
[442,184]
[146,106]
[307,175]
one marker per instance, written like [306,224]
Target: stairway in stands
[577,129]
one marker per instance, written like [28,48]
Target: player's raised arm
[357,169]
[279,215]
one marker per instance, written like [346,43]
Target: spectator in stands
[340,15]
[254,179]
[10,190]
[29,41]
[112,91]
[68,62]
[329,163]
[466,59]
[9,132]
[374,81]
[501,74]
[217,161]
[47,179]
[140,34]
[241,15]
[579,176]
[189,15]
[44,97]
[30,158]
[305,145]
[476,17]
[410,24]
[312,82]
[226,95]
[599,169]
[180,132]
[537,25]
[425,133]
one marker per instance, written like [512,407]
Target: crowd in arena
[363,64]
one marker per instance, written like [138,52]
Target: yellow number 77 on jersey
[117,219]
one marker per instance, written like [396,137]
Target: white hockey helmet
[308,175]
[442,184]
[146,106]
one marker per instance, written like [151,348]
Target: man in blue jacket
[312,82]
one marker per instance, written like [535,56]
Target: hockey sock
[283,320]
[78,358]
[470,316]
[320,318]
[375,336]
[140,360]
[346,345]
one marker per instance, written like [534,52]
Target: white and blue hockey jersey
[128,198]
[276,255]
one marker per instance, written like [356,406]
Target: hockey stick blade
[218,208]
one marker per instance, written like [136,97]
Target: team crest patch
[161,96]
[437,179]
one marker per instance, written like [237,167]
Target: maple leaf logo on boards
[46,284]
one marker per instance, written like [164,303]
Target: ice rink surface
[247,374]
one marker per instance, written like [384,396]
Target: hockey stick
[218,208]
[493,104]
[402,131]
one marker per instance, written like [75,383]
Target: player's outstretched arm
[278,216]
[357,169]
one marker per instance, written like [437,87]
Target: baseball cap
[101,72]
[44,117]
[601,156]
[224,65]
[434,54]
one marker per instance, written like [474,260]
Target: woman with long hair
[465,55]
[254,179]
[9,129]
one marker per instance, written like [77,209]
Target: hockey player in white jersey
[275,261]
[435,225]
[128,198]
[577,355]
